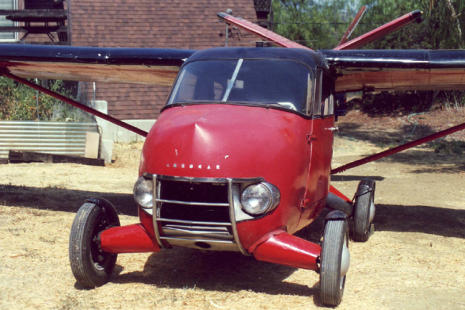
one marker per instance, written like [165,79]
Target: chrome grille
[194,212]
[194,201]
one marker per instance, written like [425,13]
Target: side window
[310,93]
[187,91]
[317,104]
[329,106]
[327,94]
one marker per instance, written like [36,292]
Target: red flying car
[240,157]
[239,160]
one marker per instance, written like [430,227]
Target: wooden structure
[40,17]
[35,157]
[264,13]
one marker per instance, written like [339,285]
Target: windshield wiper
[232,80]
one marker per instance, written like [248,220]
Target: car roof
[308,57]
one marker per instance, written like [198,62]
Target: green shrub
[20,102]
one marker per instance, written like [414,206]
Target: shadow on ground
[381,138]
[347,178]
[216,271]
[60,199]
[231,272]
[423,219]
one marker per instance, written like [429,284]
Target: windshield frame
[305,111]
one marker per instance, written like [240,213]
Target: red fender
[285,249]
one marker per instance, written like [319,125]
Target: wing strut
[381,31]
[353,25]
[260,31]
[398,149]
[74,103]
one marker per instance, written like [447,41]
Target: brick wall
[188,24]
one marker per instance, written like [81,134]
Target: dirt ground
[415,259]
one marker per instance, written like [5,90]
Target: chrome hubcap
[345,258]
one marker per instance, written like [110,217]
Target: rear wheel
[334,262]
[364,211]
[91,266]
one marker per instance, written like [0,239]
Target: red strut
[352,25]
[260,31]
[398,149]
[75,103]
[380,31]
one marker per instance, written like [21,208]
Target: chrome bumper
[198,213]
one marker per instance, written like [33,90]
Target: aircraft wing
[119,65]
[378,70]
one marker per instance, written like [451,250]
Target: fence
[62,138]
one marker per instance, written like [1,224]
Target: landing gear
[90,265]
[364,211]
[334,261]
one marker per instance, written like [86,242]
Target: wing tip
[417,15]
[222,15]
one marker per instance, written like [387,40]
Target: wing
[128,65]
[378,70]
[123,65]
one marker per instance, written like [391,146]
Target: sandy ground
[415,259]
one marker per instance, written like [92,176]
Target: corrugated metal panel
[46,137]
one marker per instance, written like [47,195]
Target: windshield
[263,81]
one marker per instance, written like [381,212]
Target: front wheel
[90,265]
[334,262]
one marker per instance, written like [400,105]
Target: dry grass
[413,261]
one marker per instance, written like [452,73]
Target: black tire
[333,270]
[90,265]
[364,205]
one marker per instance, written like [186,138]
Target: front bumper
[198,213]
[202,213]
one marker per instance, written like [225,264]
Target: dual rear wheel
[364,211]
[335,258]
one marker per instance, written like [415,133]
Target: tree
[316,24]
[320,24]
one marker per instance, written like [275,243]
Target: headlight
[143,192]
[259,198]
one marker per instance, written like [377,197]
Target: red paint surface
[232,141]
[127,239]
[147,221]
[319,168]
[285,249]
